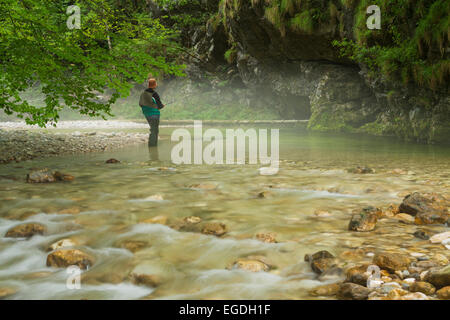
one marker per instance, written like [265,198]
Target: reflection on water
[108,204]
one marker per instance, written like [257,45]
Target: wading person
[151,104]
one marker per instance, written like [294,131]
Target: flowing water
[113,200]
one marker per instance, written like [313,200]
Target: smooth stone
[64,258]
[390,261]
[422,286]
[214,228]
[444,293]
[353,291]
[325,290]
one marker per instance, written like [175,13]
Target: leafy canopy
[112,49]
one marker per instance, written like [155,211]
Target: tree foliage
[113,48]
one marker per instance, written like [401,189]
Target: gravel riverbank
[19,144]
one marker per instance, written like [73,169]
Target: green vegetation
[410,47]
[112,49]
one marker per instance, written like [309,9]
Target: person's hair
[152,83]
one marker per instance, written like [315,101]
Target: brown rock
[149,280]
[68,257]
[5,292]
[391,261]
[390,211]
[358,274]
[325,290]
[26,230]
[321,261]
[416,203]
[59,176]
[214,228]
[40,176]
[112,160]
[444,293]
[365,220]
[266,237]
[439,278]
[431,218]
[353,291]
[422,286]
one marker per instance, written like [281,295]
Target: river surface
[308,205]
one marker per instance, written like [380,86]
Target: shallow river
[308,205]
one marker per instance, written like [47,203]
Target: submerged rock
[149,280]
[203,186]
[64,258]
[40,176]
[250,265]
[132,245]
[26,230]
[364,221]
[266,237]
[361,170]
[214,228]
[156,220]
[112,160]
[325,290]
[47,176]
[421,235]
[391,261]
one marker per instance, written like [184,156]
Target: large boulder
[427,208]
[26,230]
[69,257]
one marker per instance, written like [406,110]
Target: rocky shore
[19,144]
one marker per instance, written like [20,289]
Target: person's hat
[152,83]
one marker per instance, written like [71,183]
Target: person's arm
[158,100]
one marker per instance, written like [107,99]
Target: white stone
[440,237]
